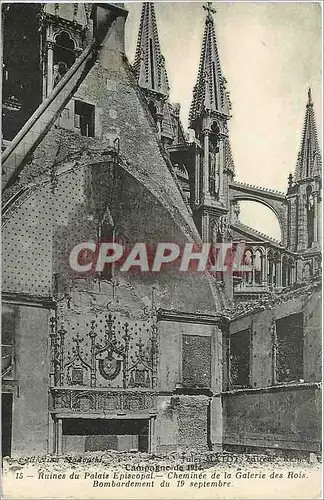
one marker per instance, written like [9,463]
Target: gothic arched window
[213,175]
[153,110]
[290,272]
[310,215]
[307,271]
[63,55]
[248,261]
[258,267]
[214,135]
[214,159]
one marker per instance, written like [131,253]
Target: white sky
[270,54]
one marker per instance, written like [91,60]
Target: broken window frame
[83,122]
[246,384]
[279,355]
[187,381]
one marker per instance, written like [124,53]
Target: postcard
[161,250]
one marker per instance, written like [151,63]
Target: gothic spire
[209,93]
[149,62]
[309,161]
[229,162]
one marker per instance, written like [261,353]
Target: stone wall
[279,419]
[268,414]
[74,182]
[193,422]
[183,423]
[31,370]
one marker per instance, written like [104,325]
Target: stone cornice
[190,317]
[271,300]
[273,388]
[28,300]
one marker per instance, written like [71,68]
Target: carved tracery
[112,353]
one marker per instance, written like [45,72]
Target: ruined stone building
[93,149]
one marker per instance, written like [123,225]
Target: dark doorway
[80,435]
[6,423]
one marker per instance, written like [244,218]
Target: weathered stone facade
[138,360]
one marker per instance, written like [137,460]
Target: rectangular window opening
[84,118]
[240,363]
[196,361]
[289,348]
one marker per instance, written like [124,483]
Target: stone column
[205,226]
[152,435]
[50,66]
[206,163]
[316,218]
[59,435]
[221,169]
[197,174]
[279,272]
[265,268]
[319,219]
[51,435]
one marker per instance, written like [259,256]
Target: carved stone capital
[50,44]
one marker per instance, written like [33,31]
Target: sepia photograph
[161,270]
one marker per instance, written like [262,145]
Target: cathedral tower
[209,115]
[304,195]
[149,66]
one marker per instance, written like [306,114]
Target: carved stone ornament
[109,367]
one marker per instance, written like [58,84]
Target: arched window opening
[213,175]
[153,110]
[307,271]
[258,267]
[290,275]
[63,55]
[317,265]
[214,135]
[213,159]
[310,216]
[248,261]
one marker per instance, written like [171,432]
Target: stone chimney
[109,28]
